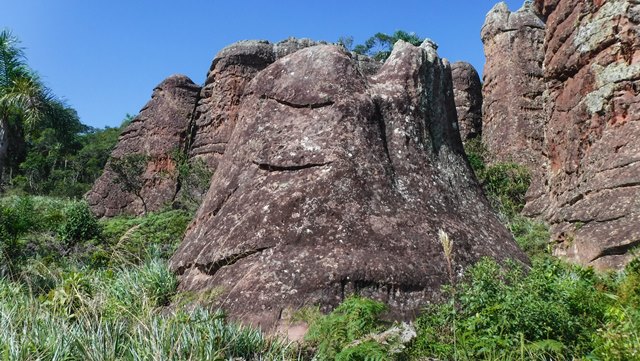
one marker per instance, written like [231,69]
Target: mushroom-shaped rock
[333,184]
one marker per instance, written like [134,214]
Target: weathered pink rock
[592,71]
[218,106]
[467,91]
[332,184]
[586,165]
[160,129]
[513,123]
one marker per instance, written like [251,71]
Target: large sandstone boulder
[331,183]
[161,128]
[513,124]
[592,71]
[467,92]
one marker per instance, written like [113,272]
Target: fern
[353,319]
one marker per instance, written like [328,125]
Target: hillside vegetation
[76,288]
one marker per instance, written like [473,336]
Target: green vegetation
[333,335]
[49,151]
[380,45]
[74,288]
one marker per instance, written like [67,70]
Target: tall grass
[66,297]
[119,315]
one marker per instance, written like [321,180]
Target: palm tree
[24,100]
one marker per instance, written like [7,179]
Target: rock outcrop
[575,124]
[467,91]
[161,128]
[513,85]
[332,182]
[592,72]
[231,70]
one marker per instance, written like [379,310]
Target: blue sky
[105,57]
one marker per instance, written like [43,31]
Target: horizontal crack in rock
[288,168]
[300,106]
[213,267]
[616,250]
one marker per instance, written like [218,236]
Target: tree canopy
[380,45]
[44,147]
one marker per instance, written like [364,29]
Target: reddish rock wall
[467,91]
[160,129]
[513,104]
[592,71]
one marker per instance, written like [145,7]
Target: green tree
[34,125]
[380,45]
[22,95]
[129,174]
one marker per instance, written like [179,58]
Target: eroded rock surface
[513,107]
[160,129]
[582,147]
[592,71]
[332,183]
[467,91]
[230,72]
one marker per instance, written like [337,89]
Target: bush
[619,338]
[505,184]
[79,224]
[554,308]
[532,236]
[353,319]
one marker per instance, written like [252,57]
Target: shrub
[619,338]
[500,310]
[532,236]
[353,319]
[79,224]
[506,185]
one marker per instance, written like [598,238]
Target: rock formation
[159,130]
[592,71]
[230,72]
[582,148]
[467,91]
[513,85]
[332,182]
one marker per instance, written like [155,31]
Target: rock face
[161,128]
[513,85]
[467,91]
[592,72]
[582,147]
[331,183]
[230,72]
